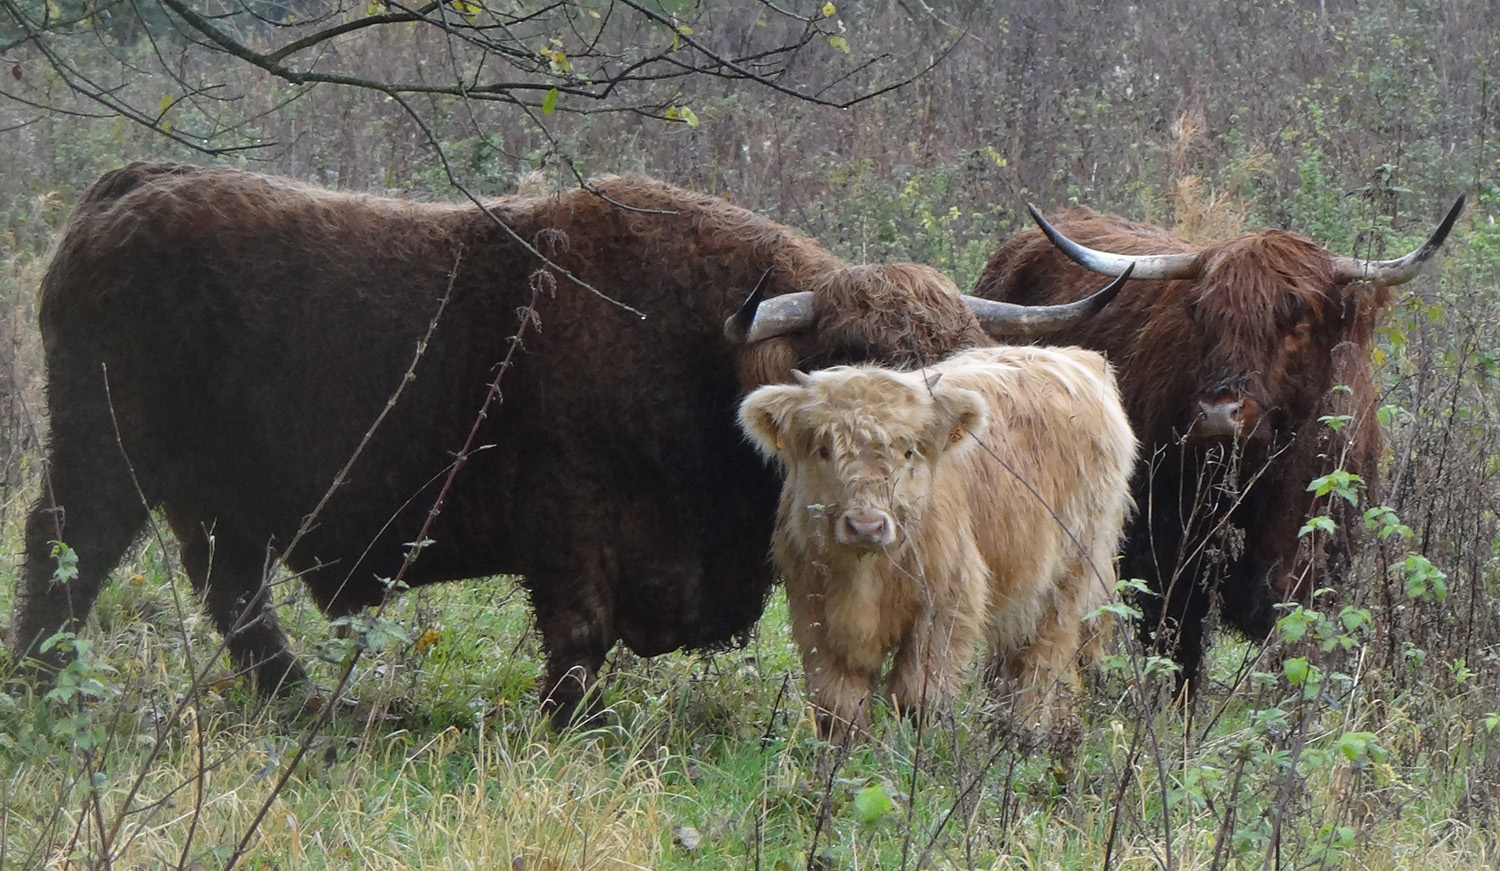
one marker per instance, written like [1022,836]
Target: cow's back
[252,330]
[1049,482]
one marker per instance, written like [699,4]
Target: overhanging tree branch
[569,56]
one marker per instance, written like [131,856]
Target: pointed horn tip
[1106,294]
[1454,213]
[1046,227]
[737,326]
[1440,235]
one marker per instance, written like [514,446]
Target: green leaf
[1296,670]
[1360,747]
[1120,610]
[67,563]
[1341,483]
[1336,422]
[1356,619]
[1423,579]
[839,43]
[1385,519]
[549,102]
[873,804]
[1322,523]
[1161,665]
[1293,627]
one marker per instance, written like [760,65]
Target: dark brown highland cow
[218,344]
[1227,355]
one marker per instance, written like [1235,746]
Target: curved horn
[756,321]
[1389,272]
[1158,267]
[1006,320]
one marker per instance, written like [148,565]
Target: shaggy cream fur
[922,511]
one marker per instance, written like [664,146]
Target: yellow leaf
[681,113]
[375,7]
[467,8]
[166,102]
[557,60]
[829,10]
[426,641]
[839,43]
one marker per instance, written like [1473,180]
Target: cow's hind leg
[90,503]
[229,575]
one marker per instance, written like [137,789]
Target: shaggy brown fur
[241,333]
[921,515]
[1268,323]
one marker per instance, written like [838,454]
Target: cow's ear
[766,414]
[962,413]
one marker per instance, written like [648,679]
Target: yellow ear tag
[956,434]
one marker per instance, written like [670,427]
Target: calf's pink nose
[865,527]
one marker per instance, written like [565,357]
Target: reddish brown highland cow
[219,343]
[1229,355]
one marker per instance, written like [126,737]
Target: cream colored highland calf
[982,498]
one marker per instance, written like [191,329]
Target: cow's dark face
[1266,329]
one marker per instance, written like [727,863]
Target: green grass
[441,758]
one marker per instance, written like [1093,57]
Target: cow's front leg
[930,663]
[840,693]
[840,676]
[229,574]
[574,612]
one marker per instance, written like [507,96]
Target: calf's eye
[824,452]
[910,452]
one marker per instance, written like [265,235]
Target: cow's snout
[865,529]
[1228,416]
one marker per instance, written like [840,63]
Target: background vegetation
[1363,735]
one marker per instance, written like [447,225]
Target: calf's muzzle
[865,529]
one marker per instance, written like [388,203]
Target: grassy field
[1365,734]
[436,756]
